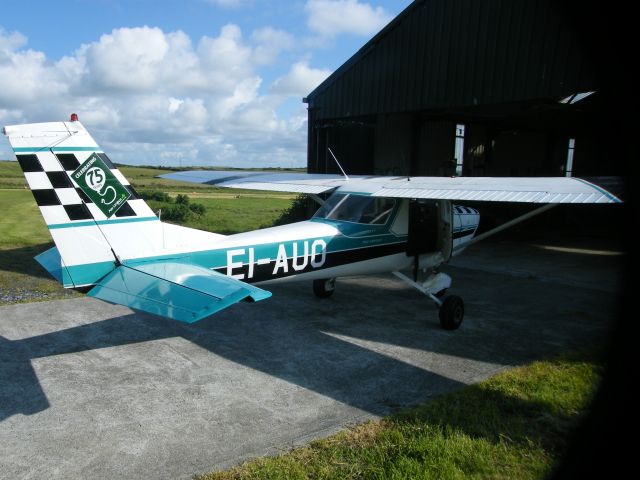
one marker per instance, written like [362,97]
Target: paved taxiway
[91,390]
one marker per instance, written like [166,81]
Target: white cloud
[330,18]
[225,60]
[152,97]
[23,73]
[127,59]
[10,42]
[300,80]
[270,42]
[244,92]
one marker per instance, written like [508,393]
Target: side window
[328,209]
[357,209]
[378,211]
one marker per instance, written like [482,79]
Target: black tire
[451,312]
[324,288]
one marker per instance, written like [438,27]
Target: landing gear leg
[451,307]
[324,287]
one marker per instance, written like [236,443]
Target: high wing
[499,189]
[279,182]
[489,189]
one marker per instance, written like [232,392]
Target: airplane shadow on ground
[20,260]
[328,346]
[292,351]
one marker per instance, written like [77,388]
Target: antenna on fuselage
[338,163]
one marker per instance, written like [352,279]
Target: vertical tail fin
[84,199]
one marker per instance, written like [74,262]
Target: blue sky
[195,82]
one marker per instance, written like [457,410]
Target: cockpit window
[357,209]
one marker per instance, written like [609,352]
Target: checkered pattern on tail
[60,199]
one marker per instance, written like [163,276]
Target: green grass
[228,214]
[514,425]
[22,279]
[11,176]
[23,235]
[20,223]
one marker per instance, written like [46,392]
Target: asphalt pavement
[93,390]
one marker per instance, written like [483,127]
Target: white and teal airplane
[109,243]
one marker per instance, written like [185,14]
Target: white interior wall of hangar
[501,68]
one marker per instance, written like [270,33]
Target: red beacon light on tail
[74,117]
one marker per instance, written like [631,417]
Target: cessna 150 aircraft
[109,243]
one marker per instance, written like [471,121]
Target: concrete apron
[92,390]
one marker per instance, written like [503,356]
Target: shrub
[156,195]
[299,210]
[176,213]
[197,208]
[182,199]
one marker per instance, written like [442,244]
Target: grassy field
[23,233]
[514,425]
[11,176]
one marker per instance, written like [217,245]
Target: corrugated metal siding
[456,53]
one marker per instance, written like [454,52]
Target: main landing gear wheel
[451,312]
[324,288]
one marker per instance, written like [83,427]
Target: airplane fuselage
[326,247]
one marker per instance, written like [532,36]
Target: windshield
[357,209]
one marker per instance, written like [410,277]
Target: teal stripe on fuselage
[357,230]
[217,258]
[235,257]
[56,149]
[91,223]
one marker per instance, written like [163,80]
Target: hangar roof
[439,54]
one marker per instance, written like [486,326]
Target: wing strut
[504,226]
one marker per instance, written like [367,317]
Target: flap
[177,290]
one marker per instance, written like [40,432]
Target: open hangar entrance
[525,141]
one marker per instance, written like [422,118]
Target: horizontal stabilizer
[52,263]
[173,289]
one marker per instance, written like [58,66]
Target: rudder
[74,185]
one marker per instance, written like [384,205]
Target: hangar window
[568,169]
[459,149]
[357,209]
